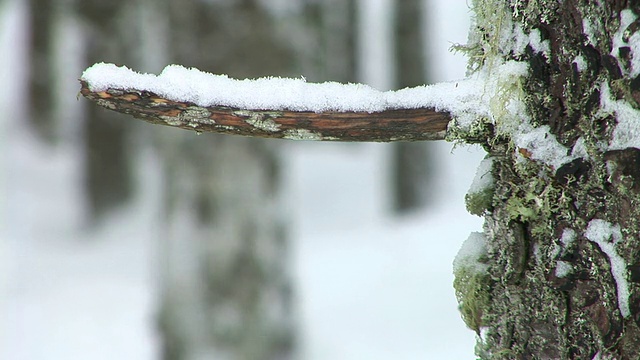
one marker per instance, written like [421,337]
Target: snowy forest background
[88,245]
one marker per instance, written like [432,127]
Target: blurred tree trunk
[107,171]
[225,287]
[108,175]
[334,24]
[40,72]
[563,254]
[412,162]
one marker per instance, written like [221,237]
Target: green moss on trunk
[533,310]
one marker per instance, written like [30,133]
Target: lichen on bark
[533,313]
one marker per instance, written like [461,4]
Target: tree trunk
[225,290]
[337,37]
[561,237]
[108,170]
[412,162]
[225,287]
[42,19]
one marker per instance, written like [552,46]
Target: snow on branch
[277,107]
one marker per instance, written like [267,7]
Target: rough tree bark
[556,285]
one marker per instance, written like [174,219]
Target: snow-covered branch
[269,107]
[388,125]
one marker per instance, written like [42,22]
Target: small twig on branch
[383,126]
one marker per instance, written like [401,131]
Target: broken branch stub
[383,126]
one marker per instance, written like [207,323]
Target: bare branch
[384,126]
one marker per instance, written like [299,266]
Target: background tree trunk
[562,242]
[225,287]
[42,19]
[333,25]
[412,162]
[225,284]
[108,175]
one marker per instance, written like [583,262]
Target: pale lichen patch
[107,104]
[302,134]
[260,120]
[195,113]
[171,120]
[192,116]
[226,127]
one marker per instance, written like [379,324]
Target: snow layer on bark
[484,178]
[627,131]
[480,96]
[542,145]
[568,236]
[563,268]
[465,99]
[507,109]
[623,38]
[581,63]
[607,236]
[470,254]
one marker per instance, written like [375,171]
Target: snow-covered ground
[370,286]
[374,287]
